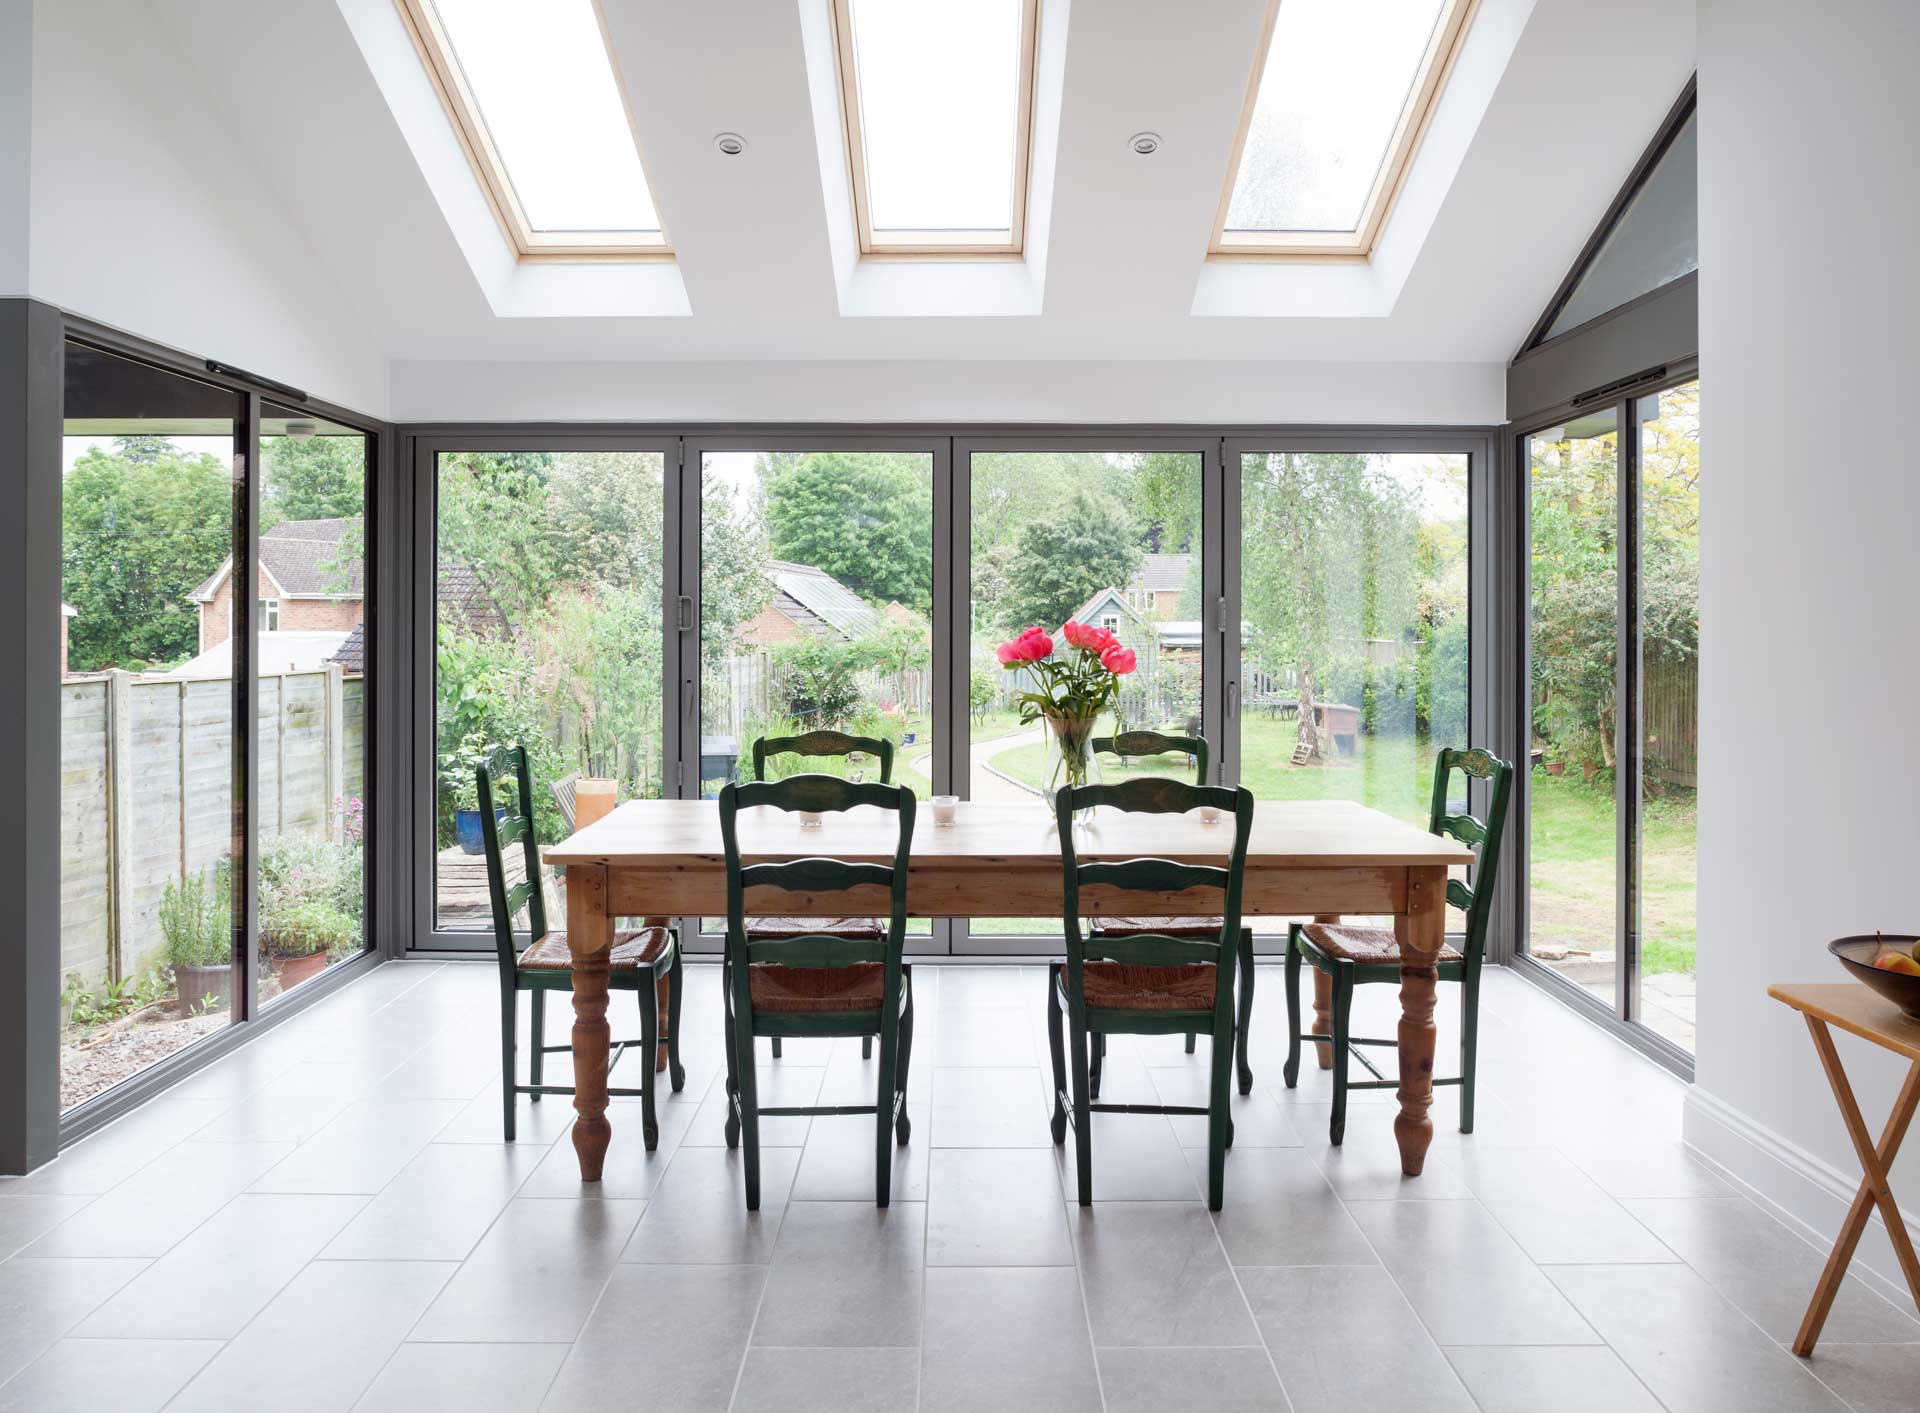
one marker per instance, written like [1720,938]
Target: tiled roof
[815,599]
[1162,573]
[466,603]
[352,655]
[307,559]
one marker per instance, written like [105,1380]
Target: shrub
[196,920]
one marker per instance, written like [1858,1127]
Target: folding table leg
[1874,1191]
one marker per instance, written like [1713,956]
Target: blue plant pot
[466,830]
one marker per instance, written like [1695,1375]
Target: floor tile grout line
[773,1251]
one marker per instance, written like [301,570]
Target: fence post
[119,818]
[336,752]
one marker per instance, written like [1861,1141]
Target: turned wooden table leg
[590,938]
[1875,1160]
[1420,930]
[1323,1000]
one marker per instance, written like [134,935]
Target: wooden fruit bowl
[1856,954]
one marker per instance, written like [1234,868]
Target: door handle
[684,613]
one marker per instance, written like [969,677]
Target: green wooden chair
[1153,743]
[1146,983]
[817,983]
[639,961]
[854,929]
[1351,956]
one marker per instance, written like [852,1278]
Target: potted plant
[302,937]
[1070,693]
[196,924]
[457,770]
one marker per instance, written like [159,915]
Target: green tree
[866,518]
[1327,562]
[1066,558]
[322,478]
[141,527]
[494,520]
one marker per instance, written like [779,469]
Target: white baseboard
[1807,1193]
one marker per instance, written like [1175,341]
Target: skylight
[535,96]
[937,99]
[1341,94]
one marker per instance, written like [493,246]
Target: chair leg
[903,1127]
[1219,1118]
[538,999]
[649,1000]
[776,1047]
[1342,983]
[1246,1010]
[733,1063]
[883,1109]
[1191,1038]
[1469,1046]
[1055,1049]
[509,1018]
[1096,1061]
[1323,1016]
[676,986]
[1291,1071]
[866,1047]
[749,1111]
[1082,1106]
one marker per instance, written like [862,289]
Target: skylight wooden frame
[931,246]
[1436,65]
[469,125]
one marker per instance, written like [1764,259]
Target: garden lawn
[1573,829]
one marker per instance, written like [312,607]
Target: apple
[1891,959]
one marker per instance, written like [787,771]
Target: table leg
[590,938]
[1875,1160]
[1420,930]
[1323,1000]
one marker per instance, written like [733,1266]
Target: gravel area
[97,1060]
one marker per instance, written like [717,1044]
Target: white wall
[1810,580]
[957,391]
[151,215]
[16,142]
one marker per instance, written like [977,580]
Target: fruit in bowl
[1887,962]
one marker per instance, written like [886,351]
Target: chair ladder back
[826,794]
[566,791]
[1154,743]
[1474,898]
[1155,795]
[822,743]
[508,765]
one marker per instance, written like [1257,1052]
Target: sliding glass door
[548,583]
[1612,624]
[814,599]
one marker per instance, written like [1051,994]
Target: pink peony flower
[1117,659]
[1078,635]
[1100,639]
[1032,644]
[1009,654]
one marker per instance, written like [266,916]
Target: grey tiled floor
[329,1220]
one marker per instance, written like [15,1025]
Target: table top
[1857,1009]
[1291,833]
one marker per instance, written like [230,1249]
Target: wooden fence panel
[147,814]
[84,900]
[353,697]
[1670,721]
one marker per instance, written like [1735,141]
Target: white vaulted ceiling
[1549,105]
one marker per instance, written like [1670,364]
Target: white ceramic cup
[1209,815]
[809,819]
[945,809]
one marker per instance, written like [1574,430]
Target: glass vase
[1071,759]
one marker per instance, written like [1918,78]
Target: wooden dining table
[1321,859]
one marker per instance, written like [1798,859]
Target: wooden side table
[1860,1012]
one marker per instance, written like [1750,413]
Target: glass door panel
[816,611]
[1354,613]
[310,654]
[152,827]
[1669,483]
[548,613]
[1573,884]
[1111,539]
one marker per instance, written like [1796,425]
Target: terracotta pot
[294,970]
[1556,767]
[593,800]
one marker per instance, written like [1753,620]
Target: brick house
[807,602]
[1156,589]
[309,581]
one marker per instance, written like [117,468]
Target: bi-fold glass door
[1611,617]
[1352,577]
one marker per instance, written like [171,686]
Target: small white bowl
[809,819]
[945,809]
[1209,815]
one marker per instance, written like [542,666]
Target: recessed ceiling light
[731,144]
[1144,144]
